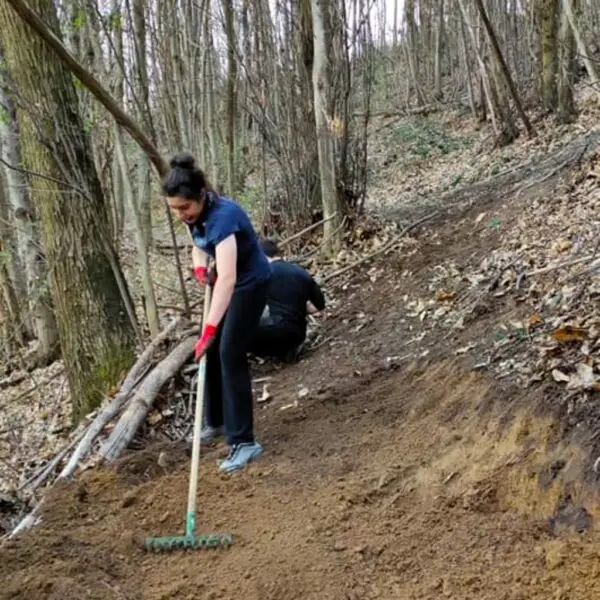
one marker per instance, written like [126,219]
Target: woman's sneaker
[240,455]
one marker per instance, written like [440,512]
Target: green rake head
[188,542]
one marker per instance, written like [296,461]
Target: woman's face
[185,210]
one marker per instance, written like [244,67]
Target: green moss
[104,375]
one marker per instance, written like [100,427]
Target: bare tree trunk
[143,205]
[211,110]
[504,69]
[412,51]
[117,88]
[12,333]
[141,241]
[581,47]
[395,31]
[439,37]
[467,67]
[566,102]
[325,140]
[10,234]
[231,109]
[484,81]
[35,272]
[548,26]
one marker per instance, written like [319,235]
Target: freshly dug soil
[411,484]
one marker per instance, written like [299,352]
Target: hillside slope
[428,449]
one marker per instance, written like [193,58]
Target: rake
[190,540]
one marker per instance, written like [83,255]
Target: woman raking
[222,231]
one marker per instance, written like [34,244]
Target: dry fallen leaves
[569,334]
[544,269]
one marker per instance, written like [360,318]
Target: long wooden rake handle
[195,467]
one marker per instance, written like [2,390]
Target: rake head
[188,542]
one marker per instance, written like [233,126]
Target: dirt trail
[423,481]
[416,485]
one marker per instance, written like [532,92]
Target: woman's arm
[199,257]
[226,259]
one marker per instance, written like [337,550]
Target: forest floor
[441,443]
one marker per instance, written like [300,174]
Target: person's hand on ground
[205,341]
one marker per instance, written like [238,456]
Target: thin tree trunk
[231,95]
[142,91]
[548,25]
[142,249]
[11,316]
[467,66]
[486,94]
[412,51]
[35,269]
[210,105]
[566,103]
[439,37]
[395,31]
[325,140]
[504,69]
[581,47]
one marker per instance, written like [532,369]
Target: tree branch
[91,83]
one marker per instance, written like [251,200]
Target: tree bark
[231,94]
[581,47]
[325,140]
[484,79]
[412,51]
[96,337]
[143,96]
[150,306]
[37,291]
[548,28]
[12,334]
[566,79]
[504,68]
[439,38]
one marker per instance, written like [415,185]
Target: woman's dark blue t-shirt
[221,218]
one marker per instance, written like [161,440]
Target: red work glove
[204,275]
[205,341]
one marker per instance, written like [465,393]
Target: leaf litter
[544,271]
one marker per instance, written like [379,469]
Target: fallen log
[110,411]
[41,476]
[143,399]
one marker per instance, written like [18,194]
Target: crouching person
[292,294]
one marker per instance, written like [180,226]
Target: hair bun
[183,160]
